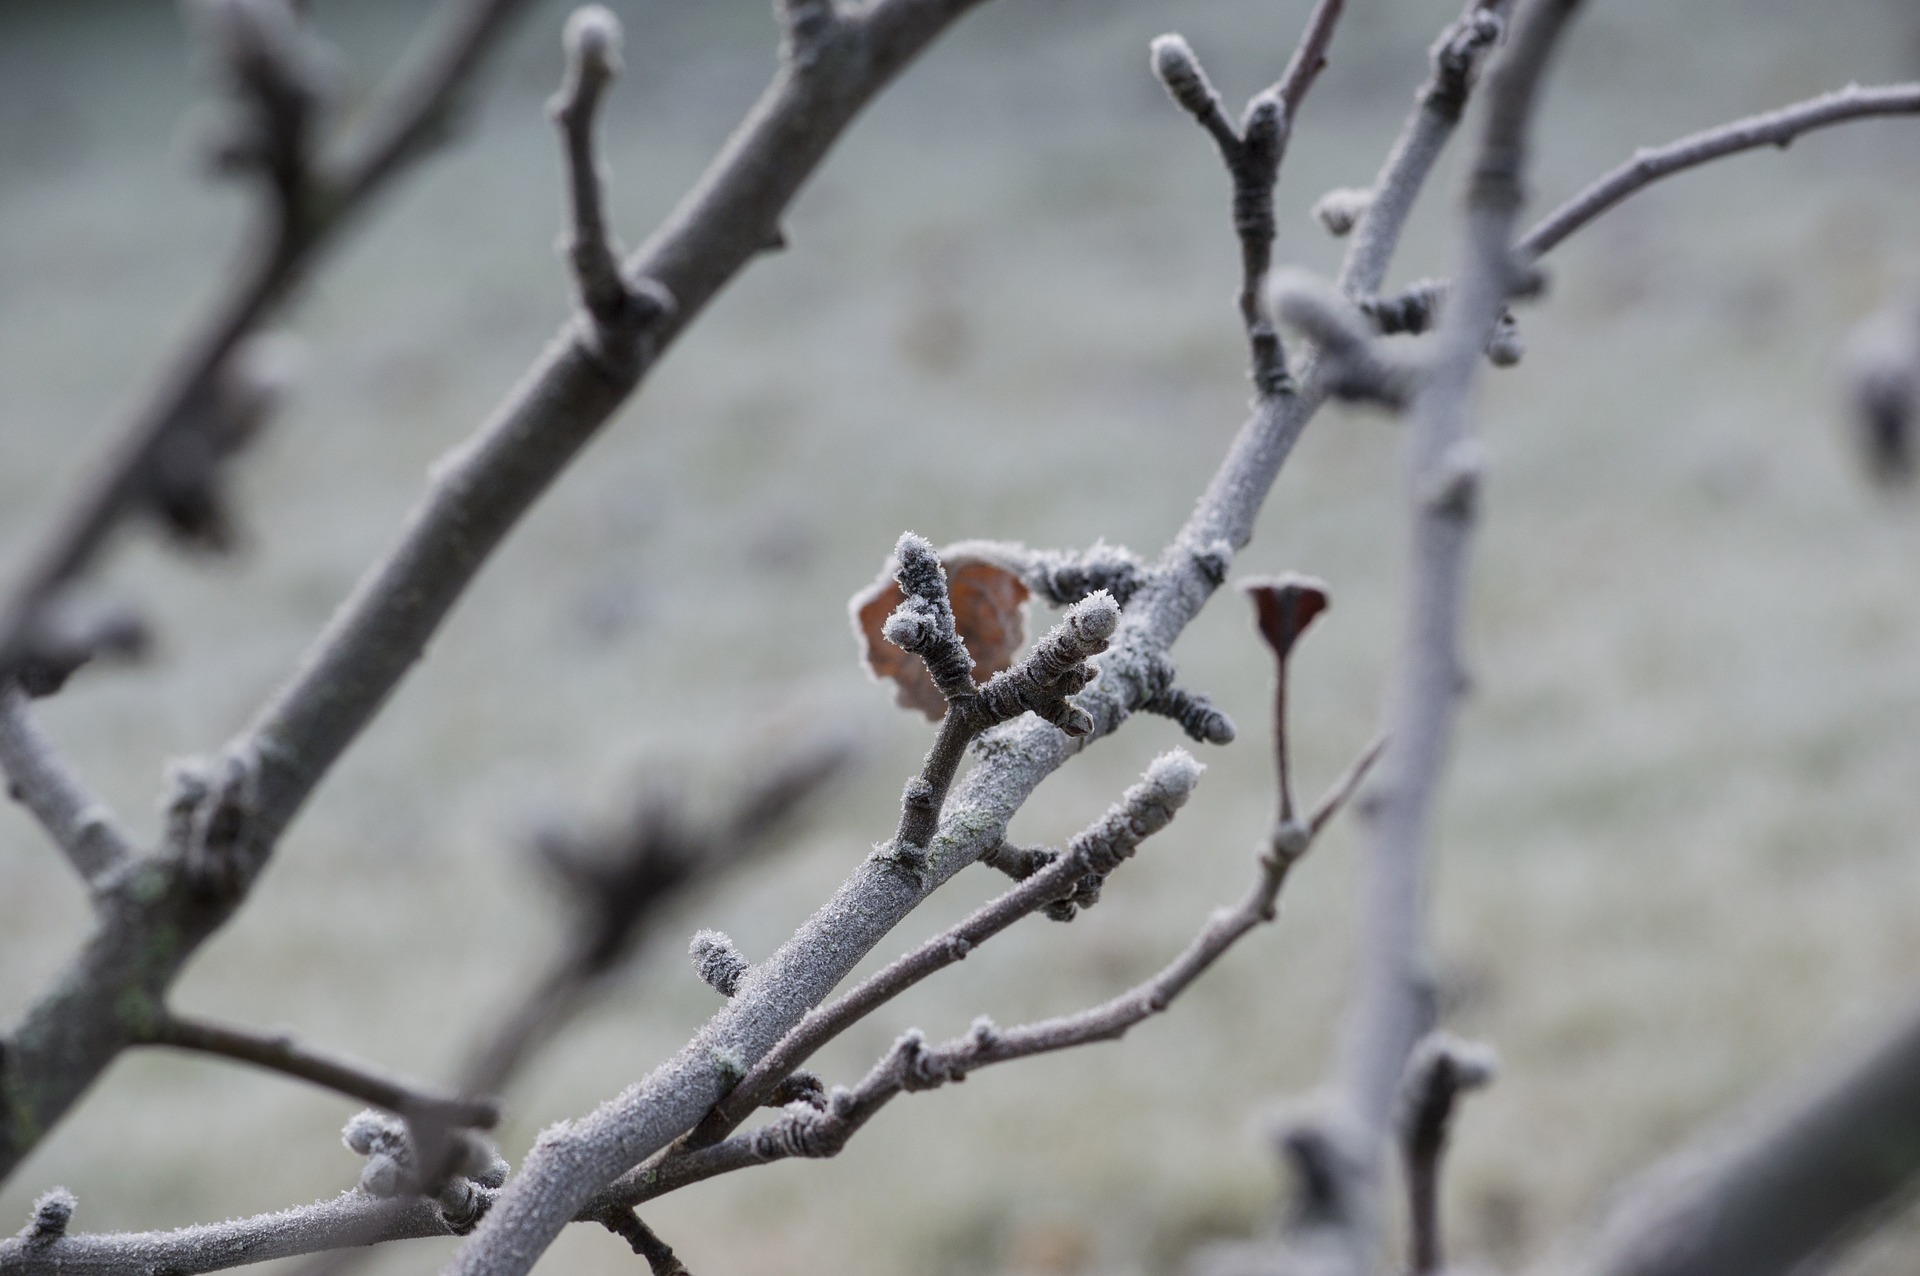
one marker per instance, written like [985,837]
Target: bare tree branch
[617,311]
[1782,1188]
[280,1053]
[1456,58]
[350,1219]
[150,929]
[1252,153]
[1771,128]
[820,1131]
[1440,1071]
[566,1168]
[260,43]
[1391,1008]
[1142,811]
[81,825]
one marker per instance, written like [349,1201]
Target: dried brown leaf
[989,611]
[1284,606]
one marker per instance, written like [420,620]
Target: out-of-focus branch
[1253,153]
[1441,1070]
[1790,1183]
[616,886]
[1882,373]
[1771,128]
[280,1053]
[1391,1008]
[80,824]
[187,427]
[1378,215]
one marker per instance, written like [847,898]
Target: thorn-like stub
[51,1214]
[592,38]
[1453,491]
[718,961]
[1288,841]
[1174,62]
[1340,210]
[1506,347]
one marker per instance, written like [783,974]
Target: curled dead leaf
[988,611]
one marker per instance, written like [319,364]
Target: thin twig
[912,1065]
[348,1220]
[280,1053]
[1771,128]
[1044,681]
[81,825]
[619,312]
[1143,810]
[1253,153]
[304,212]
[1440,1071]
[1456,58]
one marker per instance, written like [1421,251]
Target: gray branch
[310,200]
[1772,128]
[1391,1008]
[1253,153]
[575,1160]
[352,1219]
[1143,810]
[618,313]
[162,913]
[280,1053]
[81,825]
[1786,1186]
[822,1130]
[1456,59]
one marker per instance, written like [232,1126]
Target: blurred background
[1678,849]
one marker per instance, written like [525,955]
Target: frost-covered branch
[278,1052]
[1354,365]
[573,1161]
[1441,1070]
[387,1205]
[823,1127]
[1043,682]
[1252,152]
[1772,128]
[80,824]
[1377,215]
[1063,882]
